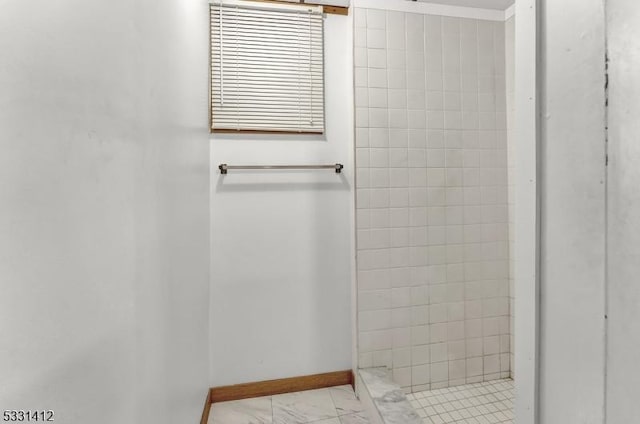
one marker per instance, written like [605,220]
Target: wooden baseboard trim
[207,409]
[276,387]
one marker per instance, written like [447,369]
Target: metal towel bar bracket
[224,168]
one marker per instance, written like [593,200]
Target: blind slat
[274,69]
[266,68]
[250,109]
[283,83]
[287,51]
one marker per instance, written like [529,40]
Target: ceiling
[483,4]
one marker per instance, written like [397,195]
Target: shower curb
[384,401]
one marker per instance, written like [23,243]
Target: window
[266,67]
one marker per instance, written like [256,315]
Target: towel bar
[224,168]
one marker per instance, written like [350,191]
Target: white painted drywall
[572,184]
[104,210]
[281,248]
[527,216]
[510,73]
[623,243]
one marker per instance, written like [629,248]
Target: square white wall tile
[433,200]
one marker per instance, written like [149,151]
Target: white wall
[510,71]
[281,242]
[590,227]
[104,217]
[623,239]
[572,212]
[526,209]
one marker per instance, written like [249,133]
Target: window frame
[272,5]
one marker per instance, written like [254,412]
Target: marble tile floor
[490,402]
[333,405]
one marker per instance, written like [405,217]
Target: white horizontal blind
[267,64]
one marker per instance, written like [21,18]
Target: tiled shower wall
[432,204]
